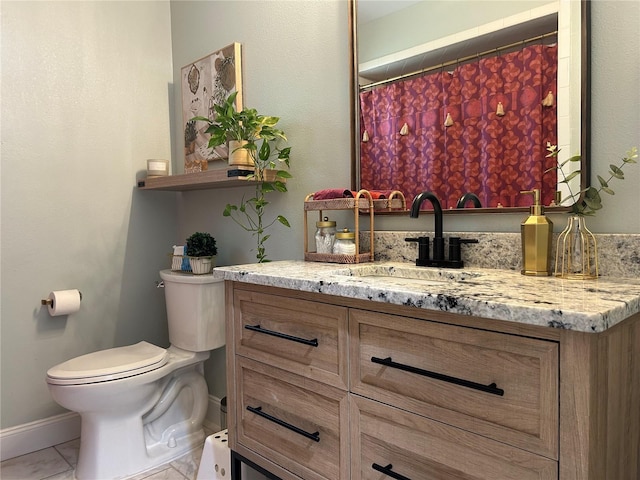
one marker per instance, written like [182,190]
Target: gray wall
[76,130]
[85,89]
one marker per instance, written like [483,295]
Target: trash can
[223,413]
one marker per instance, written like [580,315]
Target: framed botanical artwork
[205,83]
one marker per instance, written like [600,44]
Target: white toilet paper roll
[64,302]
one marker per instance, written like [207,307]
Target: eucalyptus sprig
[591,201]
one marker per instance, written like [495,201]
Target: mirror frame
[585,113]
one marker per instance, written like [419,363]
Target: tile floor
[58,462]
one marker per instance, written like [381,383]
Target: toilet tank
[195,310]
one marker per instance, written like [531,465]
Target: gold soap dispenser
[536,231]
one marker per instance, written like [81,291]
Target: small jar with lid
[345,243]
[325,235]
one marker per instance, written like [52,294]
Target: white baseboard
[30,437]
[212,420]
[33,436]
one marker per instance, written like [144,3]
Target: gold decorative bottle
[536,231]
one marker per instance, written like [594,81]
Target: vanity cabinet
[364,390]
[388,440]
[290,377]
[500,386]
[298,423]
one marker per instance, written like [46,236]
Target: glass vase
[577,251]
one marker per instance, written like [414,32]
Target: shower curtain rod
[456,61]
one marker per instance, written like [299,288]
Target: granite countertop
[587,306]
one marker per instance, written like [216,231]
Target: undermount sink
[409,272]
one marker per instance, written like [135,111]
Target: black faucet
[469,197]
[455,243]
[438,240]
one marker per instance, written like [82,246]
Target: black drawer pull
[387,471]
[258,328]
[492,388]
[258,411]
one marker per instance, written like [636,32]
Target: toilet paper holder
[49,301]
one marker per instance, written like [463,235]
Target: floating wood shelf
[217,178]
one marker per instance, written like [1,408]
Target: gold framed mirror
[393,61]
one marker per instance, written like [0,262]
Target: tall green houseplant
[261,138]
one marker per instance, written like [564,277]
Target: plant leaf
[593,203]
[569,177]
[283,174]
[616,172]
[592,199]
[228,209]
[283,221]
[265,151]
[591,192]
[608,190]
[603,182]
[284,153]
[279,186]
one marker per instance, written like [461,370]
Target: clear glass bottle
[325,235]
[345,243]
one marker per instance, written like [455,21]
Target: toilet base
[164,423]
[116,466]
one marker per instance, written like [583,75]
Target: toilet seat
[111,364]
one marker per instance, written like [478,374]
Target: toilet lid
[111,364]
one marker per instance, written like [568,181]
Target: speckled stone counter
[587,306]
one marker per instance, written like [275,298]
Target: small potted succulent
[201,250]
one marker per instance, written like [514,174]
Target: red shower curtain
[493,156]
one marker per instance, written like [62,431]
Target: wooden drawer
[299,336]
[418,448]
[500,386]
[292,421]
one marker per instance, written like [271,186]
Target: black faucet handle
[455,244]
[423,249]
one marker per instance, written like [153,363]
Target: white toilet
[142,405]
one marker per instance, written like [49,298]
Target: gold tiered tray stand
[363,203]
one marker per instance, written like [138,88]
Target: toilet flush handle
[160,284]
